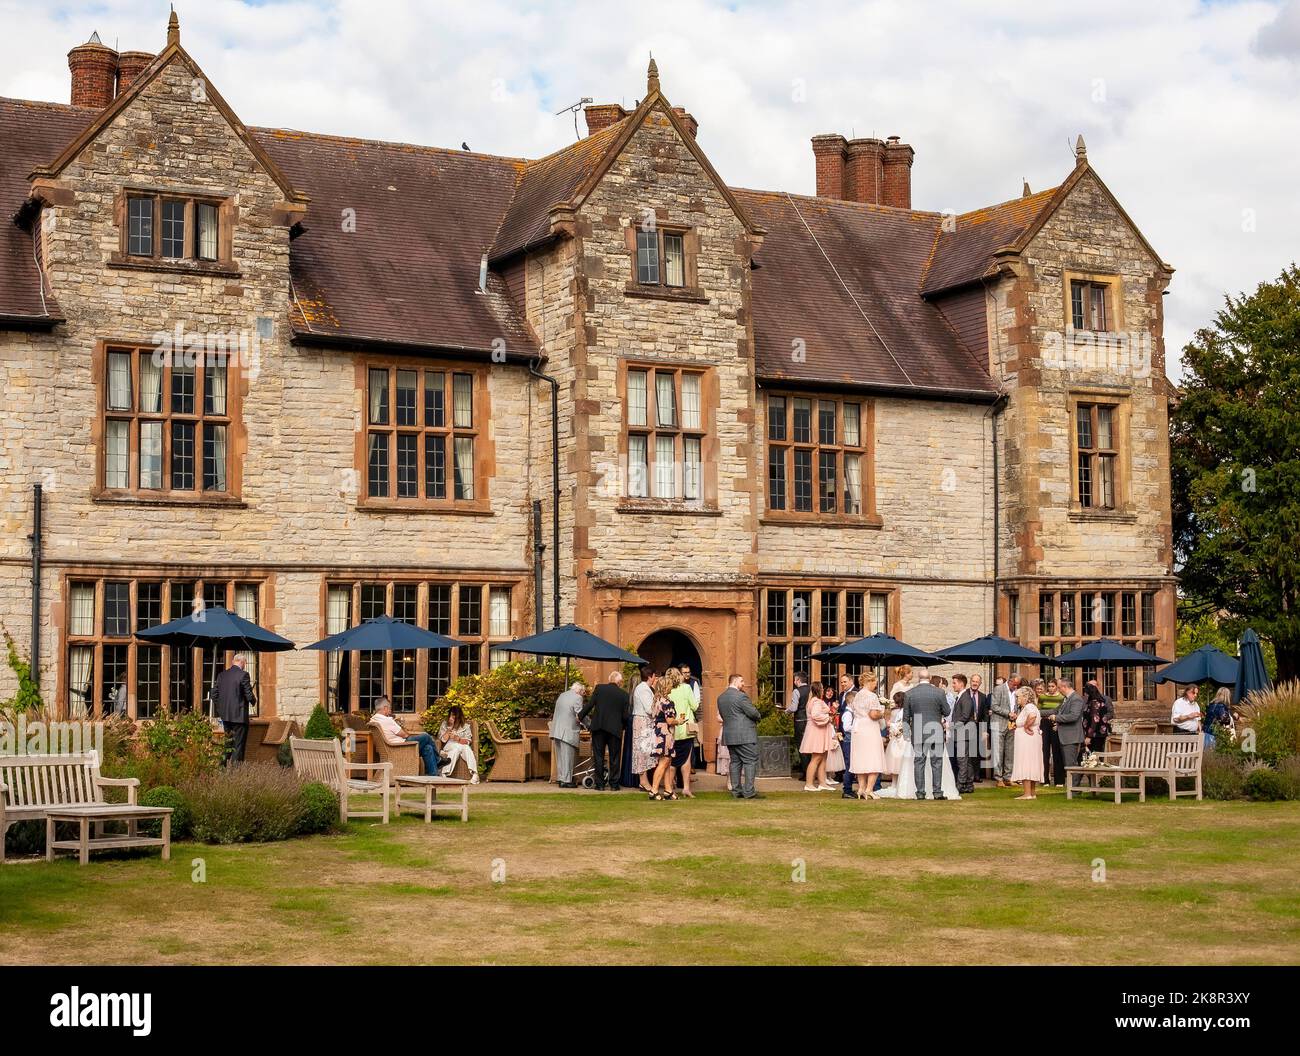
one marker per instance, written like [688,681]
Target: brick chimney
[828,152]
[94,73]
[692,126]
[864,171]
[898,174]
[130,64]
[602,115]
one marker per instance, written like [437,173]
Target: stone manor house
[311,378]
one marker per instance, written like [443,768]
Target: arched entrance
[671,648]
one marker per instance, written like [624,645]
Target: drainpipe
[36,582]
[555,485]
[539,549]
[998,405]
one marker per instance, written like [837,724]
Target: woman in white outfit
[455,742]
[894,750]
[867,755]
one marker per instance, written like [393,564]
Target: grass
[591,879]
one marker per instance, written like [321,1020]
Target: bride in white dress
[904,786]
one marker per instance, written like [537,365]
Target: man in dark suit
[965,733]
[924,709]
[740,735]
[1069,723]
[983,745]
[233,697]
[798,707]
[610,708]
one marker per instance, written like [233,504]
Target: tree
[1235,467]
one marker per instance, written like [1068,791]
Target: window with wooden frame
[1096,438]
[422,441]
[159,227]
[1090,305]
[108,671]
[818,457]
[663,257]
[796,622]
[667,426]
[1068,619]
[477,613]
[167,423]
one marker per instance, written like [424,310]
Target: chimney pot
[828,153]
[692,126]
[130,64]
[94,74]
[864,174]
[897,187]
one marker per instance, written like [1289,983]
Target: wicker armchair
[404,757]
[511,763]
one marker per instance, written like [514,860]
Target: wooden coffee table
[98,813]
[429,785]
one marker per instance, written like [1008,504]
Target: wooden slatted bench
[323,761]
[33,785]
[1165,755]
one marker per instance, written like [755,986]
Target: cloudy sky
[1191,111]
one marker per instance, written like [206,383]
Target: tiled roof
[836,298]
[408,274]
[963,254]
[30,135]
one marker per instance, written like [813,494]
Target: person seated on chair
[395,734]
[455,737]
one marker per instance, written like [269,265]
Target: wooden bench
[1164,755]
[323,761]
[32,785]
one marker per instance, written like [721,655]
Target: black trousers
[236,741]
[604,743]
[1052,753]
[801,724]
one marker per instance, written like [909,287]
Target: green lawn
[592,878]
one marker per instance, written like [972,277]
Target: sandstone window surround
[424,444]
[820,460]
[106,670]
[668,445]
[175,230]
[1071,617]
[480,611]
[663,261]
[797,620]
[169,428]
[1099,423]
[1094,302]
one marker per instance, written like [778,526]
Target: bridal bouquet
[1092,761]
[896,730]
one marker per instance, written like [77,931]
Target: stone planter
[774,757]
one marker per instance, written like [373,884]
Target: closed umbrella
[383,634]
[215,627]
[1206,664]
[571,642]
[877,650]
[1252,675]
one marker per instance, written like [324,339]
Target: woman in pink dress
[1027,766]
[867,755]
[817,736]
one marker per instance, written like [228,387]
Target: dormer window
[171,230]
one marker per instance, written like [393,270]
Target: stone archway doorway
[671,648]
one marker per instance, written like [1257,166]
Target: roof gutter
[915,392]
[409,348]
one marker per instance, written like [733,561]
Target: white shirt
[846,719]
[392,729]
[643,700]
[1186,715]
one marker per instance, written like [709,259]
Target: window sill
[869,521]
[671,507]
[1080,515]
[116,498]
[372,506]
[216,268]
[682,294]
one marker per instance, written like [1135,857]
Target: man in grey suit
[740,735]
[1069,721]
[566,733]
[1002,730]
[924,709]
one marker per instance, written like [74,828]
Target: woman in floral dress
[665,735]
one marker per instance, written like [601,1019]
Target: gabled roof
[964,254]
[839,282]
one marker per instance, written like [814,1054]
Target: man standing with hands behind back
[610,702]
[740,735]
[233,695]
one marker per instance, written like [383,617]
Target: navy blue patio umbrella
[571,642]
[1206,664]
[877,650]
[215,627]
[1104,652]
[991,649]
[1252,675]
[382,634]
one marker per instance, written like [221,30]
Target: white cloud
[1188,108]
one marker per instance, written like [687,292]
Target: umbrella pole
[566,672]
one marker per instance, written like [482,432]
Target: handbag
[697,756]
